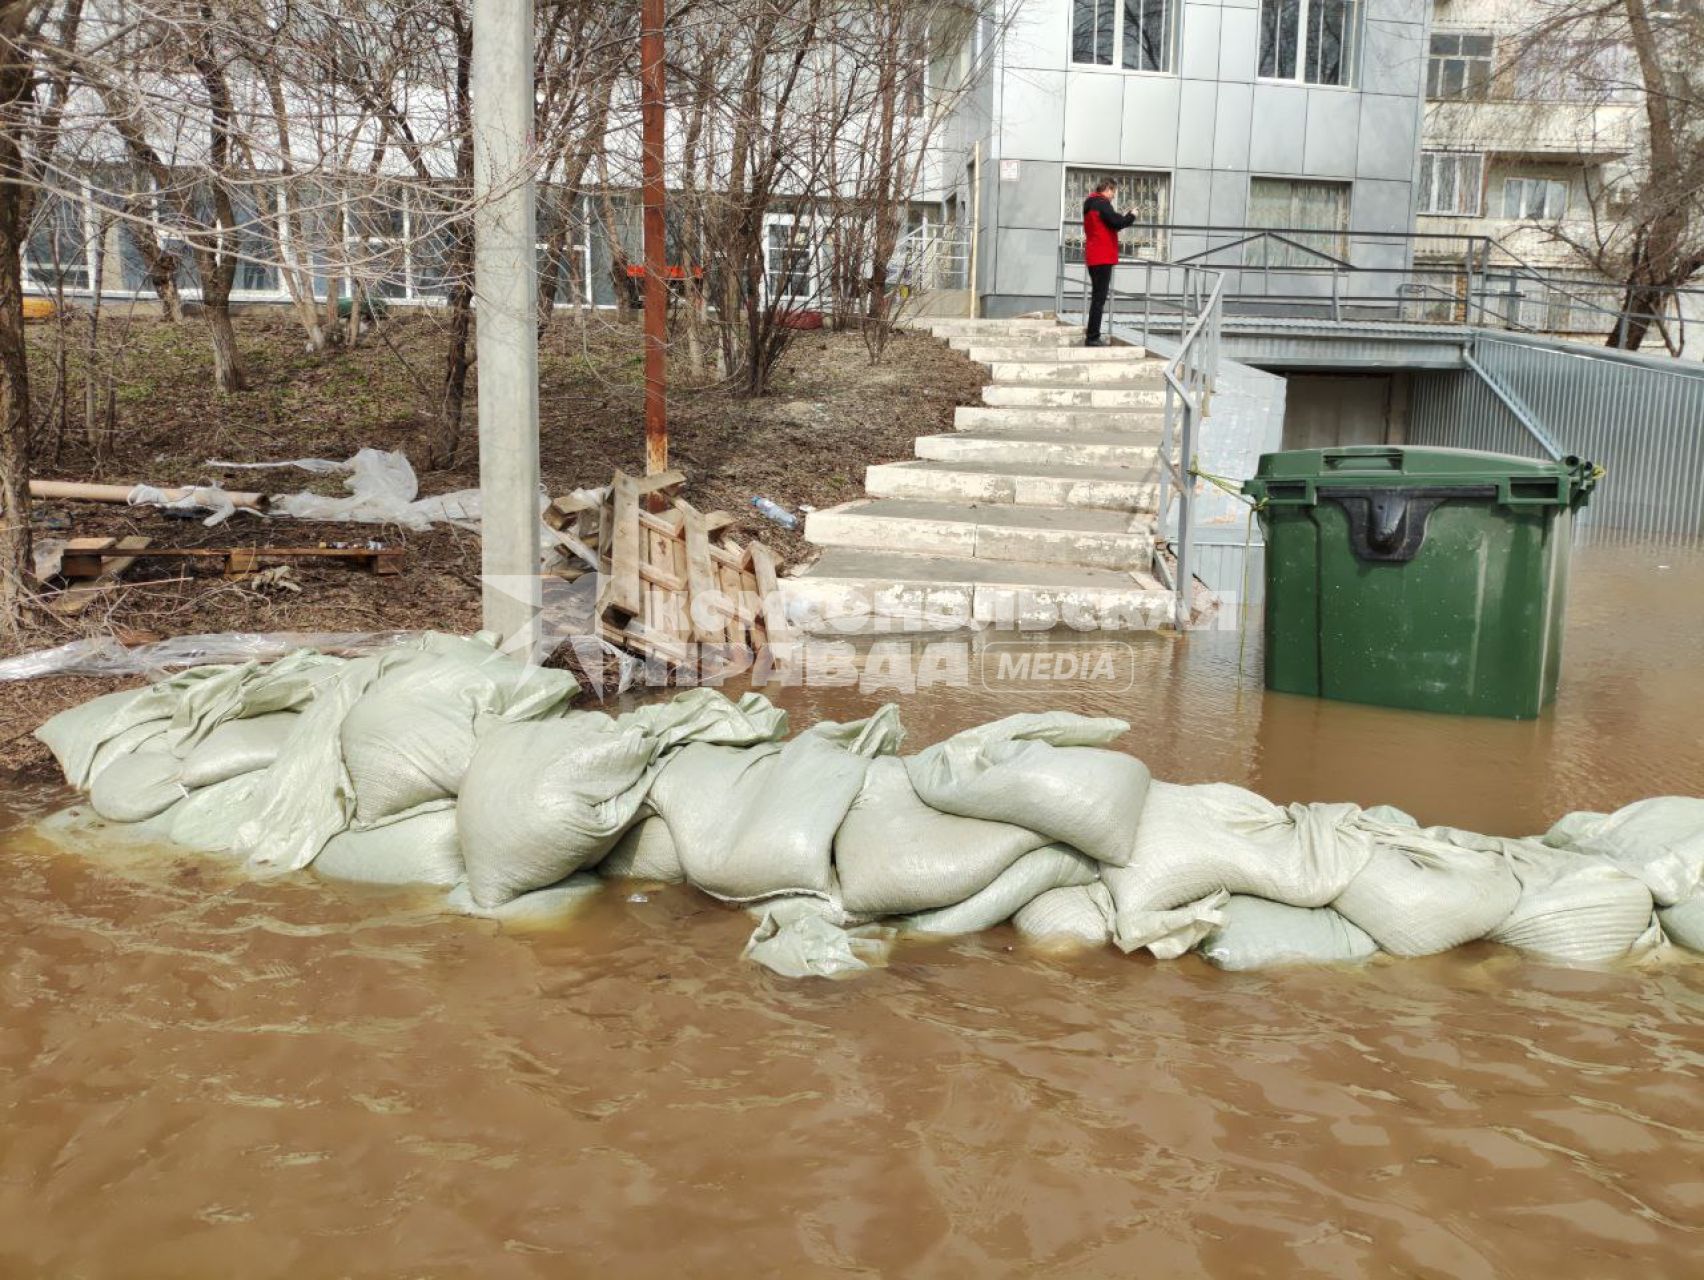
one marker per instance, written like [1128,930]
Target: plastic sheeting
[441,761]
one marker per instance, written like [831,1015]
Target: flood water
[205,1076]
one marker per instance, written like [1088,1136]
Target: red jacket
[1101,225]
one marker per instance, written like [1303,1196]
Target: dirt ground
[830,413]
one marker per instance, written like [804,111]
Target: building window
[56,252]
[1311,41]
[788,258]
[1312,219]
[1535,199]
[1137,35]
[1459,69]
[1147,194]
[1450,182]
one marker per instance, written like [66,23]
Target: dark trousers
[1100,280]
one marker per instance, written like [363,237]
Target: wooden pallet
[666,590]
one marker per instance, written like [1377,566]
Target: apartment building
[1300,114]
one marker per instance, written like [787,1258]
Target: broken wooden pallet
[666,591]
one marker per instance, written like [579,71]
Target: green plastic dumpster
[1432,579]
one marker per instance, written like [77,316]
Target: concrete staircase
[1035,511]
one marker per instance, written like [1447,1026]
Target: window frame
[1257,256]
[1071,214]
[1547,186]
[808,247]
[1436,60]
[1354,31]
[1172,19]
[1424,187]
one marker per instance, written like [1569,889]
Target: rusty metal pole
[656,279]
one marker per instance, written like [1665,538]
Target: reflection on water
[203,1076]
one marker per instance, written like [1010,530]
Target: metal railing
[1409,277]
[1190,375]
[931,257]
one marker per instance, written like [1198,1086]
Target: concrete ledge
[1112,488]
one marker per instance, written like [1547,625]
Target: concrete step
[1048,448]
[1027,484]
[1136,371]
[847,584]
[949,326]
[1113,395]
[1010,353]
[1142,421]
[1059,339]
[1031,535]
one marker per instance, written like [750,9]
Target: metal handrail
[1191,377]
[1485,263]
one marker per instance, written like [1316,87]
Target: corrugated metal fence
[1640,417]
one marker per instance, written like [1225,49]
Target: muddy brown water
[205,1076]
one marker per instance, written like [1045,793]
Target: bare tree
[1645,223]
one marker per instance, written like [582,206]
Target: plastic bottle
[776,512]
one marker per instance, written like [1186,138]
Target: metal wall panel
[1640,417]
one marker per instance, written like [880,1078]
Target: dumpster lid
[1296,474]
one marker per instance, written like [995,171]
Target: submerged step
[1035,535]
[1055,448]
[1110,488]
[1105,396]
[846,586]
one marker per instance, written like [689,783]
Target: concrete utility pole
[656,258]
[505,287]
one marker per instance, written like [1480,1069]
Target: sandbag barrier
[440,761]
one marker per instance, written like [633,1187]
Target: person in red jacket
[1101,225]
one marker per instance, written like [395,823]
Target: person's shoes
[1094,342]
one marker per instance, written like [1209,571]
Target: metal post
[656,268]
[506,342]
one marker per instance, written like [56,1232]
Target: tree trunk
[442,449]
[14,370]
[227,364]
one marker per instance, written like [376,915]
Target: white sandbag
[706,715]
[646,851]
[1255,933]
[1030,770]
[305,796]
[1660,841]
[138,785]
[146,736]
[542,800]
[1419,895]
[1170,933]
[541,908]
[797,941]
[408,740]
[877,735]
[202,819]
[894,855]
[1683,923]
[420,850]
[1196,841]
[1391,815]
[759,821]
[1052,866]
[244,691]
[1573,908]
[1078,916]
[237,746]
